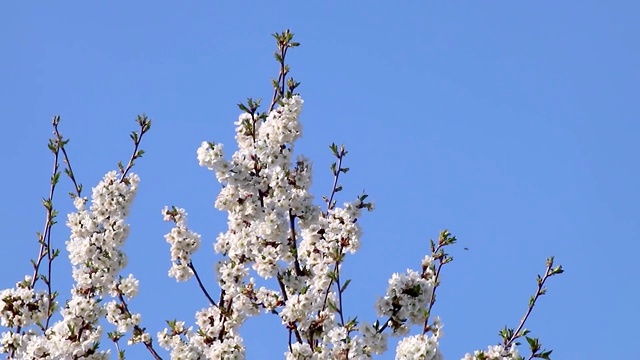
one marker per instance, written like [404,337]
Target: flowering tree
[275,233]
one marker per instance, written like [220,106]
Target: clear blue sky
[512,124]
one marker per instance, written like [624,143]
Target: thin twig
[137,329]
[77,187]
[336,176]
[532,303]
[204,290]
[145,125]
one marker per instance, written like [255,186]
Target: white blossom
[418,347]
[495,352]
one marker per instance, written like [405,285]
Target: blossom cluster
[184,243]
[496,352]
[23,306]
[97,236]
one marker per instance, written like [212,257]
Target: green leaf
[332,306]
[345,285]
[523,332]
[334,149]
[557,270]
[55,178]
[545,355]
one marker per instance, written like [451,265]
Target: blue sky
[512,124]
